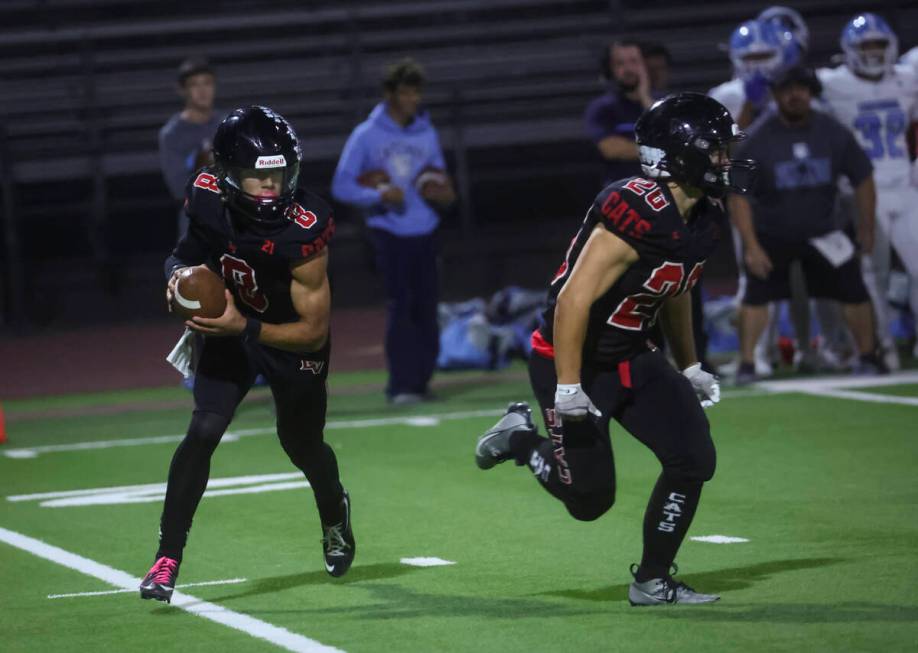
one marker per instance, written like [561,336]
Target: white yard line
[841,382]
[841,387]
[405,420]
[229,581]
[156,492]
[276,635]
[862,396]
[817,386]
[157,487]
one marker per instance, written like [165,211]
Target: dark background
[85,86]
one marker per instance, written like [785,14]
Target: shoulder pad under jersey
[637,211]
[310,229]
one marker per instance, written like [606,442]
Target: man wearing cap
[789,216]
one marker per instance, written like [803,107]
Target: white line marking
[719,539]
[426,562]
[839,382]
[806,386]
[156,492]
[249,625]
[230,581]
[862,396]
[230,436]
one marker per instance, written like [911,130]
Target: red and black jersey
[253,260]
[672,253]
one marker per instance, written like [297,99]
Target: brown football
[373,178]
[199,293]
[431,179]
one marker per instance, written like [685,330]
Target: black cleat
[338,543]
[493,447]
[159,582]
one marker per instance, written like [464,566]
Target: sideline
[211,611]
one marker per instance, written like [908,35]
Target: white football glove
[572,403]
[706,385]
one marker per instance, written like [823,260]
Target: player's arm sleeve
[344,184]
[191,248]
[173,165]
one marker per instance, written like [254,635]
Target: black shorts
[228,368]
[650,399]
[843,283]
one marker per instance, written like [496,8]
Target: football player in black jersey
[252,223]
[639,251]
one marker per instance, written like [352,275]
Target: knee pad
[592,506]
[696,465]
[207,428]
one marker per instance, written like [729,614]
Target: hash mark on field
[230,581]
[719,539]
[426,562]
[217,613]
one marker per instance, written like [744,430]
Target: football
[198,293]
[373,178]
[430,179]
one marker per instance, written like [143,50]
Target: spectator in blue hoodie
[392,169]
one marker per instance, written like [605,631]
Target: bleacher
[87,85]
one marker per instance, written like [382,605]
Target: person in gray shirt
[790,216]
[185,140]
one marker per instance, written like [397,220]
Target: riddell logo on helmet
[277,161]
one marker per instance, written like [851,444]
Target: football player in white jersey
[910,59]
[791,23]
[878,100]
[759,49]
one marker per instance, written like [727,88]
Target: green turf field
[825,489]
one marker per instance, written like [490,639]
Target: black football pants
[658,406]
[224,374]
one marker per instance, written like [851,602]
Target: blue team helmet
[865,30]
[789,22]
[756,47]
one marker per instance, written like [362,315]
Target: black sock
[669,514]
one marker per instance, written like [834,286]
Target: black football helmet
[250,142]
[679,138]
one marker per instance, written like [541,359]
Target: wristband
[567,388]
[252,330]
